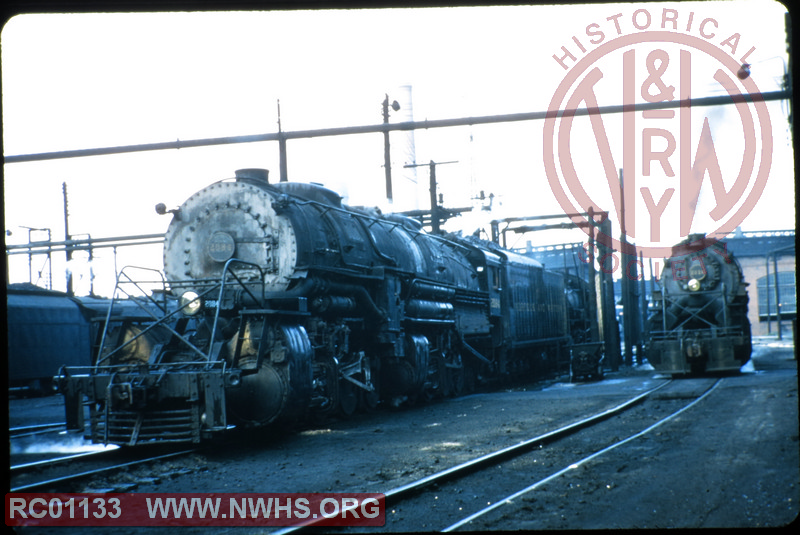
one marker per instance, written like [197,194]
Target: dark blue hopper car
[46,330]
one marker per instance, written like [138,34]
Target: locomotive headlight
[190,303]
[694,285]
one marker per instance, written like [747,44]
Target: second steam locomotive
[699,321]
[290,303]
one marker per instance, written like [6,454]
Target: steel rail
[30,430]
[517,449]
[398,493]
[578,464]
[56,461]
[98,471]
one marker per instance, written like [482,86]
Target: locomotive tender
[291,304]
[699,321]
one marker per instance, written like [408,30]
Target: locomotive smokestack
[253,174]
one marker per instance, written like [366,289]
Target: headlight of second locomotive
[190,303]
[694,285]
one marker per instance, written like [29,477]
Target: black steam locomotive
[291,304]
[699,318]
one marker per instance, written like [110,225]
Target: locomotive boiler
[699,317]
[289,303]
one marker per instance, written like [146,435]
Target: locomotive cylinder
[419,308]
[333,304]
[432,291]
[260,397]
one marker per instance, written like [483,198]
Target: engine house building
[760,254]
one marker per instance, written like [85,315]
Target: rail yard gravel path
[731,461]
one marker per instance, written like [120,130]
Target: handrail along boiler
[287,302]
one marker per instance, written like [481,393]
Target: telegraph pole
[68,250]
[387,160]
[435,215]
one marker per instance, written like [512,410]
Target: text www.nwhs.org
[297,509]
[195,509]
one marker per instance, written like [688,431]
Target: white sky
[100,80]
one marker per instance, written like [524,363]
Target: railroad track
[51,474]
[473,521]
[46,443]
[442,489]
[56,461]
[32,430]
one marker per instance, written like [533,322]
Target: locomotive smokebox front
[231,219]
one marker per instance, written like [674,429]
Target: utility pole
[387,160]
[435,211]
[643,325]
[68,250]
[631,320]
[593,309]
[610,325]
[777,297]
